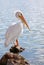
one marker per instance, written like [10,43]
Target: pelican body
[14,31]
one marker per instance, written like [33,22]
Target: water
[32,41]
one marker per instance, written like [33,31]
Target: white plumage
[14,31]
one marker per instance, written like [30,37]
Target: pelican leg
[17,43]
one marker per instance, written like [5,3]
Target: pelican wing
[13,33]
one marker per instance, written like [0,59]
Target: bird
[14,31]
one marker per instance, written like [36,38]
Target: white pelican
[14,31]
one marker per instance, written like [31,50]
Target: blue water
[32,41]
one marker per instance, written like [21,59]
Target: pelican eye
[21,13]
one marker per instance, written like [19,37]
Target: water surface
[32,41]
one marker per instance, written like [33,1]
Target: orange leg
[17,43]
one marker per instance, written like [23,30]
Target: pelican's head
[19,15]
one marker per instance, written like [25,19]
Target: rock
[13,59]
[17,49]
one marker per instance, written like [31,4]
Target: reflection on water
[33,41]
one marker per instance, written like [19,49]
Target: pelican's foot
[16,49]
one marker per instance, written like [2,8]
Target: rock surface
[13,59]
[17,49]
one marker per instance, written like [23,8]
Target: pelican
[14,31]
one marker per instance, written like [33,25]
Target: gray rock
[13,59]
